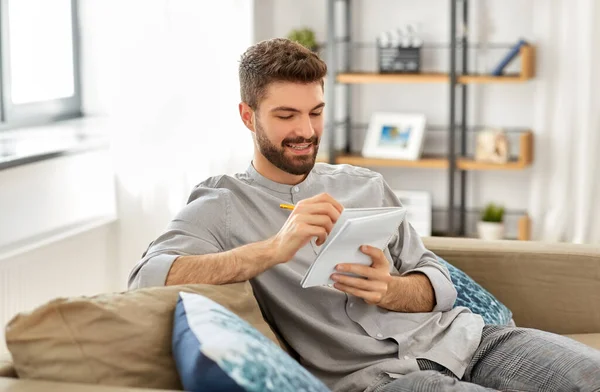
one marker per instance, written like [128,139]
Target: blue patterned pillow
[215,350]
[471,295]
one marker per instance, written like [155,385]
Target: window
[40,65]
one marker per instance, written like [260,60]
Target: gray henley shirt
[348,344]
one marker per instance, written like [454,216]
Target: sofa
[554,287]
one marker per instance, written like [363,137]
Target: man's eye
[285,117]
[316,114]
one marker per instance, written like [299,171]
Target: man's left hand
[373,284]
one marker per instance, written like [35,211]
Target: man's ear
[247,115]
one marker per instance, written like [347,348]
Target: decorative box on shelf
[399,51]
[399,59]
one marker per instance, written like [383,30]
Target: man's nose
[306,130]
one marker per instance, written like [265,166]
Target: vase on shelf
[490,231]
[491,224]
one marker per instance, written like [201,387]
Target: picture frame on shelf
[395,136]
[419,210]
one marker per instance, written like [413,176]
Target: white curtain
[565,198]
[164,73]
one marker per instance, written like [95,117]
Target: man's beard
[296,165]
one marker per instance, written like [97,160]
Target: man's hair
[277,60]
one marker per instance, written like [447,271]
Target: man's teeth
[299,146]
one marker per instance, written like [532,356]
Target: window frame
[42,112]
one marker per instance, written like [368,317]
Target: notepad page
[350,213]
[375,230]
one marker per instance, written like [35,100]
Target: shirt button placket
[294,191]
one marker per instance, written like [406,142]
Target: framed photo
[418,210]
[395,135]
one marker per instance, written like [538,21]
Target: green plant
[493,213]
[305,37]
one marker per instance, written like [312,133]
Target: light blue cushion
[215,350]
[480,301]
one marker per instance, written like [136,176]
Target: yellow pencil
[286,206]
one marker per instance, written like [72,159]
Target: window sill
[28,145]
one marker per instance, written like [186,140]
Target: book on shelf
[509,57]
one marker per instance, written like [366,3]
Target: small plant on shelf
[493,213]
[491,224]
[305,37]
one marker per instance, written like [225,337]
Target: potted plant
[305,37]
[491,225]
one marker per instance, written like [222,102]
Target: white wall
[164,73]
[498,21]
[168,93]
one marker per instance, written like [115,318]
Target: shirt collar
[276,186]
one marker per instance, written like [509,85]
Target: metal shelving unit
[457,163]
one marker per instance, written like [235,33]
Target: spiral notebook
[355,227]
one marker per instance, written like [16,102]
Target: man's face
[289,125]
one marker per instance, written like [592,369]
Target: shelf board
[527,55]
[491,79]
[522,162]
[424,163]
[373,77]
[471,164]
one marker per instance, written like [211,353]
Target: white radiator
[81,265]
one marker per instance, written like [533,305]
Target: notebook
[355,227]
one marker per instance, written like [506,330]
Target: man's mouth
[299,146]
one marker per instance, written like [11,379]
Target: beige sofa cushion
[121,339]
[12,385]
[590,339]
[6,367]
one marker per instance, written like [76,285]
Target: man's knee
[422,381]
[584,372]
[577,366]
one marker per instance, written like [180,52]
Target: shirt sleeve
[201,227]
[410,255]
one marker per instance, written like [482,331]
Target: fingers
[376,255]
[329,199]
[306,231]
[375,286]
[380,264]
[360,283]
[379,268]
[372,297]
[325,198]
[306,208]
[318,232]
[359,269]
[323,221]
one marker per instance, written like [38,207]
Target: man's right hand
[312,217]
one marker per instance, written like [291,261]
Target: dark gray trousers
[511,359]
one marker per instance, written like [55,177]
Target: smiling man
[396,328]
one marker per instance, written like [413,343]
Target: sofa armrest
[554,287]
